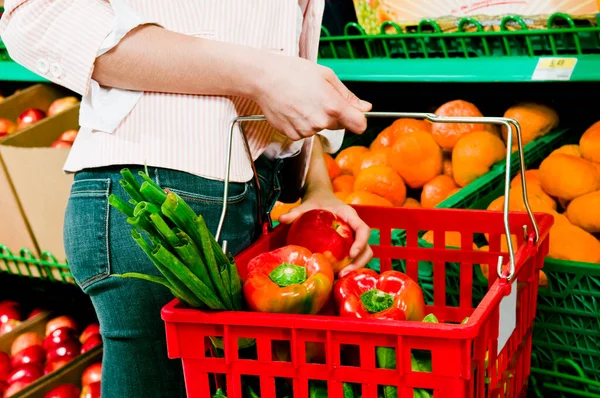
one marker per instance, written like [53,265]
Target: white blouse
[104,108]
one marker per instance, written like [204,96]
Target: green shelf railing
[470,54]
[26,264]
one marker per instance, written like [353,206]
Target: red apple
[91,390]
[6,127]
[67,349]
[60,322]
[25,340]
[92,374]
[10,310]
[321,231]
[55,365]
[59,337]
[5,366]
[8,326]
[35,355]
[35,312]
[64,391]
[27,373]
[3,387]
[29,117]
[15,388]
[93,341]
[68,136]
[61,104]
[89,331]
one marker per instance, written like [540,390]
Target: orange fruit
[388,136]
[569,242]
[567,176]
[535,120]
[448,134]
[455,190]
[542,279]
[348,158]
[343,183]
[539,201]
[497,204]
[569,150]
[485,268]
[342,195]
[382,181]
[281,208]
[474,154]
[367,199]
[416,157]
[452,239]
[376,157]
[332,168]
[532,176]
[447,164]
[436,190]
[584,212]
[590,143]
[411,203]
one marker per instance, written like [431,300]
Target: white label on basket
[508,316]
[551,68]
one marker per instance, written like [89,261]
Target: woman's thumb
[289,217]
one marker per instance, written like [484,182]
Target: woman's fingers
[359,262]
[348,95]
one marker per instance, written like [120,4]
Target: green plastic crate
[562,37]
[567,326]
[566,335]
[27,265]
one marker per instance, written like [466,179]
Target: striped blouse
[60,40]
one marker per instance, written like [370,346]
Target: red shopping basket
[465,358]
[458,352]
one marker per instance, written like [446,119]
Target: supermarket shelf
[11,71]
[26,264]
[468,70]
[562,52]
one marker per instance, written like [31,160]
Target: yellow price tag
[554,68]
[557,63]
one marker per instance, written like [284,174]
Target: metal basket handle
[500,121]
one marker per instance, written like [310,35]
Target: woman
[160,81]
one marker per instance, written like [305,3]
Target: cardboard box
[408,13]
[38,96]
[69,374]
[37,324]
[33,189]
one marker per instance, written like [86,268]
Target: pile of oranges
[429,161]
[566,185]
[437,159]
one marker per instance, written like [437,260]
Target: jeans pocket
[205,197]
[86,231]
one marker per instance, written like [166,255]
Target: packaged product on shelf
[34,190]
[490,13]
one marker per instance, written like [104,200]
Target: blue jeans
[98,243]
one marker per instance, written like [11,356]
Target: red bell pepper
[392,295]
[288,280]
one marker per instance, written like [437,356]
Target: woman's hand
[360,252]
[300,98]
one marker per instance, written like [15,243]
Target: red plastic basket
[458,352]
